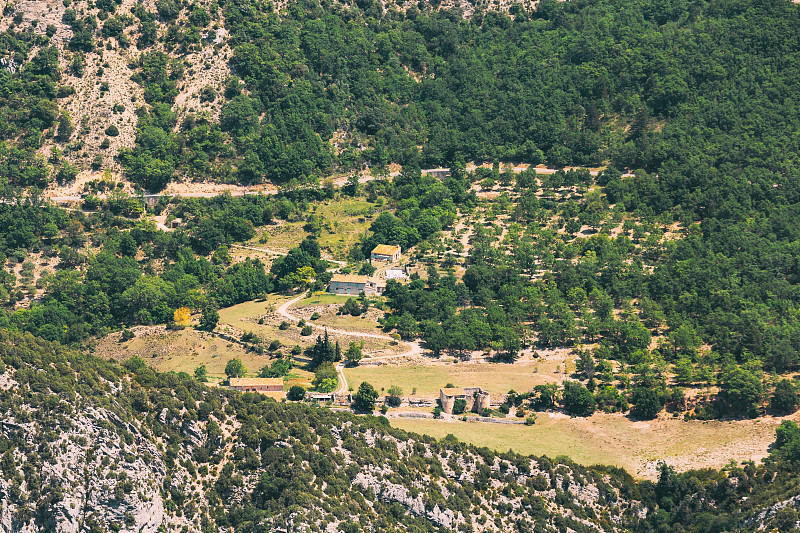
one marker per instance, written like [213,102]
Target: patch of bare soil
[105,95]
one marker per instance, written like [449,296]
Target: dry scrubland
[245,317]
[615,439]
[179,351]
[344,220]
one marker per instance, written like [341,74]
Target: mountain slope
[88,444]
[92,445]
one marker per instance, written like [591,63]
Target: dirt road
[414,347]
[56,195]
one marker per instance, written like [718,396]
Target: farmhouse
[272,387]
[349,284]
[385,252]
[475,397]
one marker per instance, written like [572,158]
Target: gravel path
[414,348]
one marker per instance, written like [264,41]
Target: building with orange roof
[272,387]
[349,284]
[385,252]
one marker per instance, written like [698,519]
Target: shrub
[784,399]
[296,393]
[578,400]
[306,331]
[209,318]
[112,131]
[168,9]
[315,316]
[647,403]
[531,420]
[394,396]
[459,406]
[350,307]
[284,326]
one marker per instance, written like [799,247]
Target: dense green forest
[100,285]
[701,93]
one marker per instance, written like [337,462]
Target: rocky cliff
[90,445]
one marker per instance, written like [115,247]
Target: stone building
[476,398]
[386,253]
[349,284]
[272,387]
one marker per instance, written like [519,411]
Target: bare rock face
[107,472]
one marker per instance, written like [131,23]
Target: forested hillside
[93,445]
[672,266]
[701,98]
[703,94]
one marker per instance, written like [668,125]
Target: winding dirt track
[52,195]
[414,348]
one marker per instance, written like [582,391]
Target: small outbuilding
[385,252]
[395,274]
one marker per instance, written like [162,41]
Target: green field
[498,378]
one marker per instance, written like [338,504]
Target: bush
[459,406]
[112,131]
[578,400]
[306,331]
[168,9]
[274,345]
[394,396]
[296,393]
[531,420]
[315,316]
[350,307]
[647,403]
[325,377]
[209,318]
[284,326]
[784,399]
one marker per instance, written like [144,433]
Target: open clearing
[615,439]
[343,221]
[497,378]
[179,351]
[245,318]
